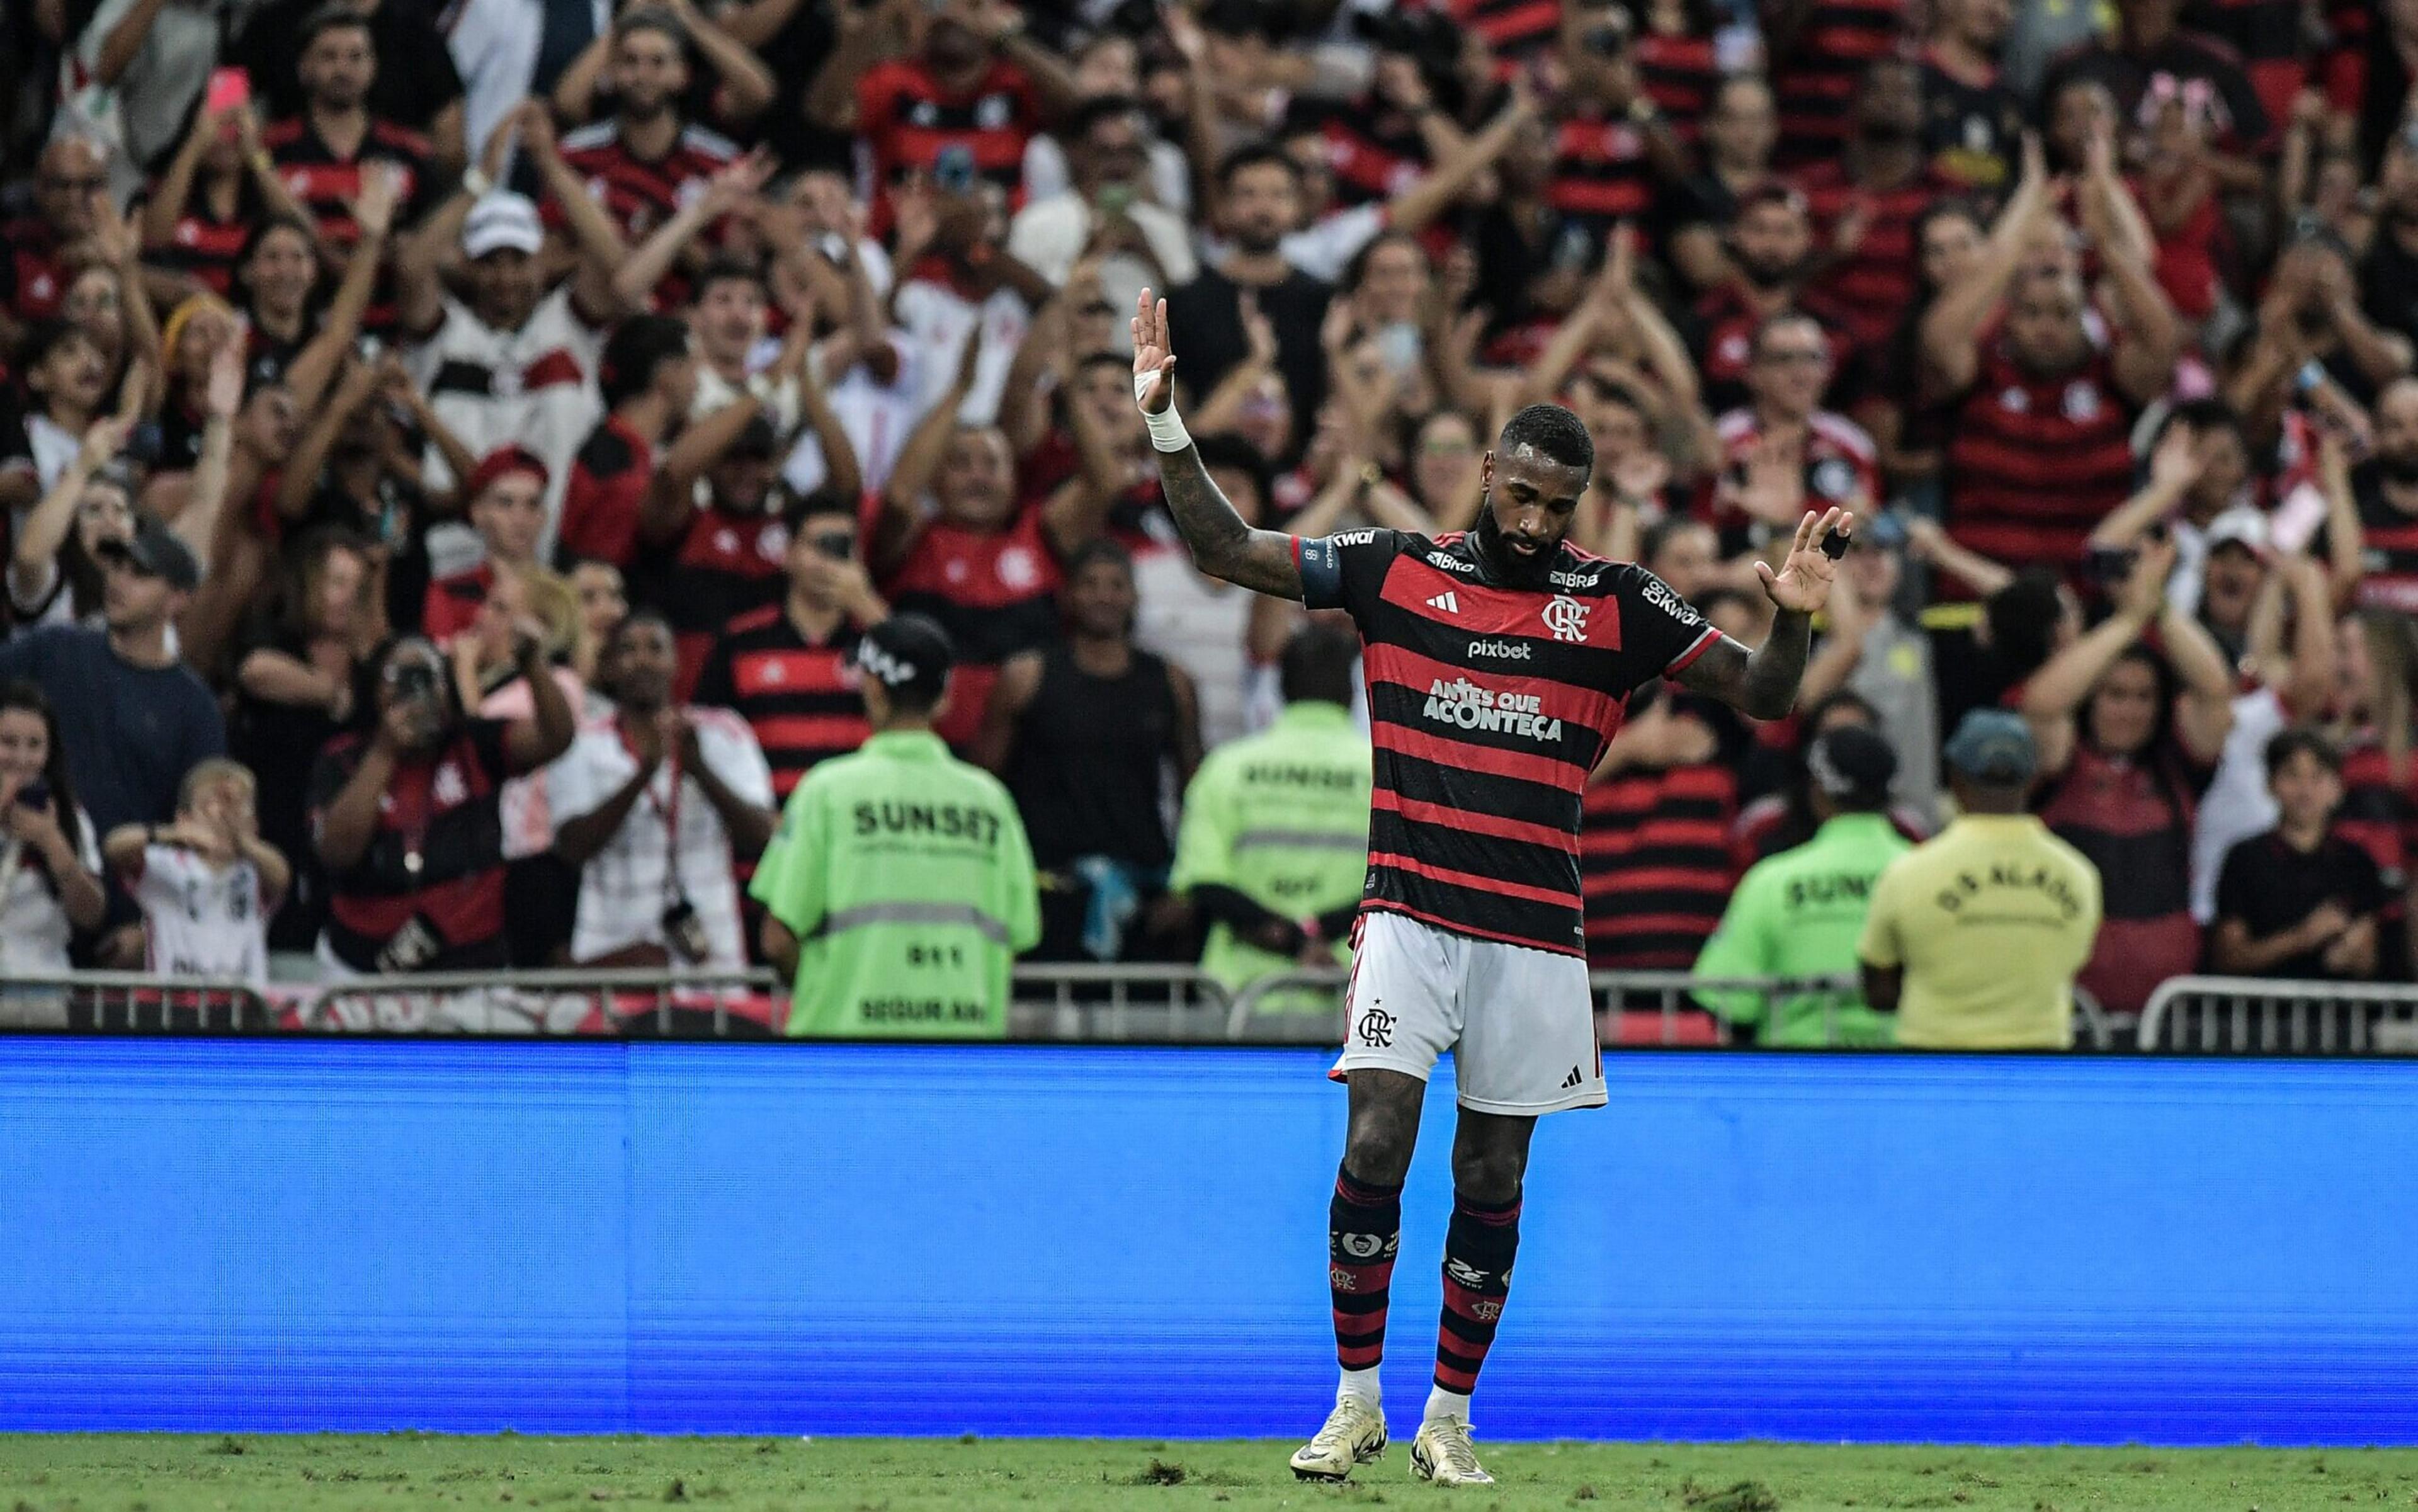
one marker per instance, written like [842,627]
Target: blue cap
[1994,748]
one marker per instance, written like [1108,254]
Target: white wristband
[1167,432]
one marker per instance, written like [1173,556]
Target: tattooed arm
[1762,683]
[1222,544]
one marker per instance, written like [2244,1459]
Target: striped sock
[1364,1229]
[1477,1251]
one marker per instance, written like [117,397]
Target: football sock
[1364,1229]
[1477,1251]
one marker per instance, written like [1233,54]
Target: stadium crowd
[450,455]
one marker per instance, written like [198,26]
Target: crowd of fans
[424,429]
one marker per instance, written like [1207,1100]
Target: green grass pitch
[211,1472]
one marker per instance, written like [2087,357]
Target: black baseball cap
[1852,763]
[155,551]
[908,654]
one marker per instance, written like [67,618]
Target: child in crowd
[207,882]
[2299,901]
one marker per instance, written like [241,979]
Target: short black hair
[816,505]
[2023,618]
[1091,112]
[1219,450]
[2302,739]
[333,18]
[643,614]
[1256,155]
[1659,535]
[637,348]
[1316,664]
[1554,433]
[1098,549]
[723,268]
[651,18]
[2203,415]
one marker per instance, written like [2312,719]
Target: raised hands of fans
[738,181]
[103,440]
[35,827]
[1153,356]
[2144,592]
[1401,84]
[1184,29]
[1773,487]
[1641,476]
[2177,464]
[1617,280]
[1258,330]
[970,357]
[683,739]
[1855,221]
[222,395]
[1337,329]
[374,207]
[1802,585]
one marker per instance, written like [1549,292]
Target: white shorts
[1521,1022]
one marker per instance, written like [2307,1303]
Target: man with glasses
[1783,454]
[34,270]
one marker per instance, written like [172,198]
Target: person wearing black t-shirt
[2299,902]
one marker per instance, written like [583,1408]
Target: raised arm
[638,273]
[747,85]
[1762,683]
[1953,326]
[1222,546]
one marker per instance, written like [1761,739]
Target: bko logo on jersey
[1566,617]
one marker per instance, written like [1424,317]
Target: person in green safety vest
[1801,912]
[900,887]
[1274,846]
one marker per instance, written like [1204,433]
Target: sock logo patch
[1366,1246]
[1343,1278]
[1466,1273]
[1485,1309]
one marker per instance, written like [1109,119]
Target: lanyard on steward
[668,813]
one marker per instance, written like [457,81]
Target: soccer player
[1498,663]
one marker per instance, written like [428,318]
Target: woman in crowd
[300,684]
[54,570]
[50,859]
[217,189]
[2129,736]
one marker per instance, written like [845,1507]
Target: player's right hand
[1153,362]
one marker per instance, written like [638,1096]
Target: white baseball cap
[2240,526]
[502,219]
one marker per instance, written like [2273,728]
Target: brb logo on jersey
[1465,704]
[1566,617]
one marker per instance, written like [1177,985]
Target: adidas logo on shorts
[1572,1079]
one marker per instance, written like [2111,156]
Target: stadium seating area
[560,365]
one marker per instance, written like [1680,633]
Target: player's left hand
[1802,585]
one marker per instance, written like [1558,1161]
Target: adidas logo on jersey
[1463,703]
[1448,603]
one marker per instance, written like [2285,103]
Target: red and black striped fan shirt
[1814,81]
[2036,461]
[325,183]
[1488,707]
[799,696]
[641,194]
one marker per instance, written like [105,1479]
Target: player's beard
[1503,565]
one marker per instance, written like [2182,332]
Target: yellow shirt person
[1976,937]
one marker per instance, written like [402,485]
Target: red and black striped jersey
[1515,30]
[1374,150]
[2035,462]
[641,194]
[994,591]
[904,119]
[2131,817]
[1679,71]
[1655,862]
[2378,814]
[2388,543]
[1814,81]
[1723,336]
[206,249]
[1488,707]
[1600,173]
[437,856]
[326,183]
[1872,287]
[799,696]
[609,485]
[728,564]
[33,275]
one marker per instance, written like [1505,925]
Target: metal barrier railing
[2251,1015]
[1078,1002]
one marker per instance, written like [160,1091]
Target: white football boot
[1442,1453]
[1354,1435]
